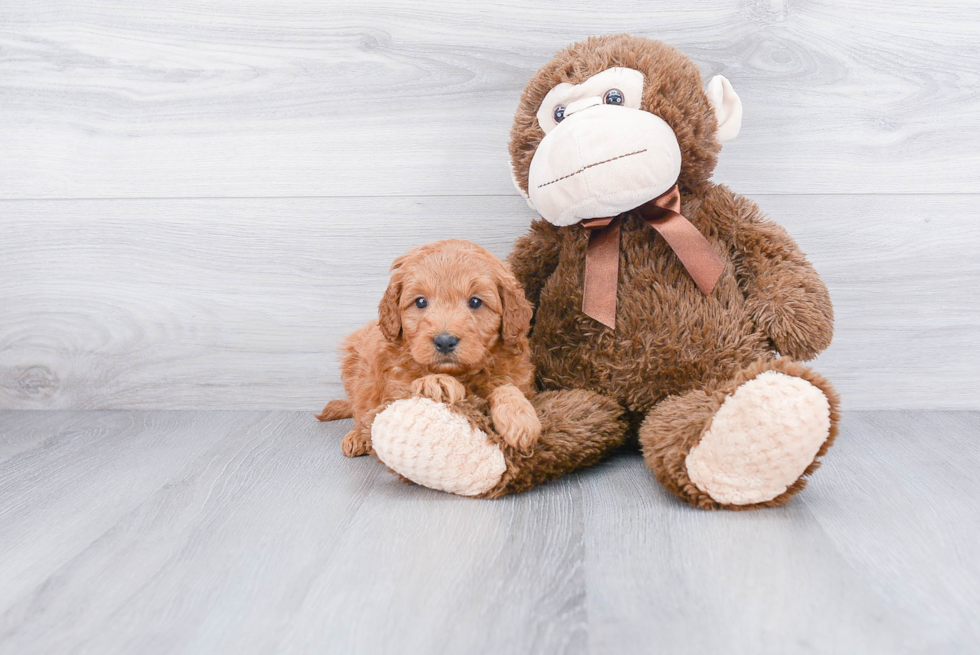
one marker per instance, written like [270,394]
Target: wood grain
[877,555]
[249,532]
[199,199]
[225,304]
[923,558]
[115,99]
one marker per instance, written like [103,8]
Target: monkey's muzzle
[602,161]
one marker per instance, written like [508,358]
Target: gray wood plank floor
[249,532]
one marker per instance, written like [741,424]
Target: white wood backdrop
[198,199]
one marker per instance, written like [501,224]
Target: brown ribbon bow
[663,214]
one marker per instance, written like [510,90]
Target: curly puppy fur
[446,288]
[670,339]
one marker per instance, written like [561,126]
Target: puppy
[453,321]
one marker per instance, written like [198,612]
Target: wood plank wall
[199,199]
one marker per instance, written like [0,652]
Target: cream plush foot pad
[430,445]
[761,439]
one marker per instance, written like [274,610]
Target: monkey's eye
[474,303]
[421,302]
[559,113]
[613,97]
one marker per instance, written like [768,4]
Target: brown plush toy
[663,300]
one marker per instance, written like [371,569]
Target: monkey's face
[602,154]
[608,141]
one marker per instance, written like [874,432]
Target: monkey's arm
[786,297]
[534,258]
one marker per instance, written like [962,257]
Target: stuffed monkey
[669,311]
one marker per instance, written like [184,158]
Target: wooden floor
[238,532]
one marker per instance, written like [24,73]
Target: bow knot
[663,214]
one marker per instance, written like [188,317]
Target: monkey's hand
[784,295]
[514,418]
[797,317]
[440,388]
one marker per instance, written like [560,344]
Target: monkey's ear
[389,313]
[728,108]
[517,185]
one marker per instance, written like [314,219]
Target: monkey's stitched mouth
[598,163]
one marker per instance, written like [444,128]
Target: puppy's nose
[445,342]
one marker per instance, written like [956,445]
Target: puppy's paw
[440,388]
[356,444]
[514,418]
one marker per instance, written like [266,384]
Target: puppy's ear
[389,310]
[515,317]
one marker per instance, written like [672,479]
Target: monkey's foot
[435,447]
[761,440]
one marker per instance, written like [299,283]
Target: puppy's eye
[559,113]
[614,97]
[475,303]
[421,302]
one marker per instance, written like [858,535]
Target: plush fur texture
[675,427]
[437,447]
[760,440]
[663,375]
[455,447]
[579,428]
[669,337]
[396,357]
[672,346]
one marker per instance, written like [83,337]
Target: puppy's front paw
[440,388]
[514,418]
[356,444]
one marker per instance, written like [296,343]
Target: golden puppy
[453,322]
